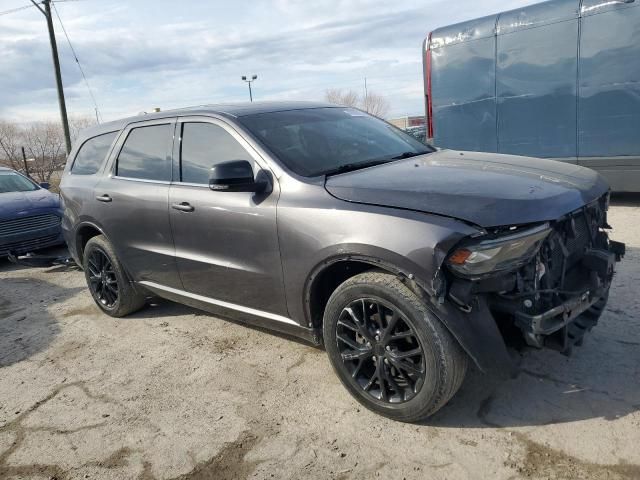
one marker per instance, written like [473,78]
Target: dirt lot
[175,393]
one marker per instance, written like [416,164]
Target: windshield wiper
[408,155]
[350,167]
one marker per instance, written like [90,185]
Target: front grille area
[573,236]
[580,237]
[28,245]
[27,224]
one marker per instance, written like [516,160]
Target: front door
[226,242]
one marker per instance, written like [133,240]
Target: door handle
[104,198]
[183,207]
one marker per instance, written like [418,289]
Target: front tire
[389,350]
[108,283]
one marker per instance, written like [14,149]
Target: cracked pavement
[172,392]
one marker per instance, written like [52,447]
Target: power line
[75,56]
[7,12]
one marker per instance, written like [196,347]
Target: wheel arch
[85,232]
[326,276]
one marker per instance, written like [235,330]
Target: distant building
[406,122]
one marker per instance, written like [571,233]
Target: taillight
[429,91]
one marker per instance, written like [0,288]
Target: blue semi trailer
[558,79]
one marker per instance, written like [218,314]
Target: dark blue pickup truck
[29,215]
[558,79]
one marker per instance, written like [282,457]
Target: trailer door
[609,91]
[536,80]
[463,86]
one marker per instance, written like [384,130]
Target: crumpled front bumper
[560,316]
[564,325]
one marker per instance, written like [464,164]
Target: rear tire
[391,353]
[108,283]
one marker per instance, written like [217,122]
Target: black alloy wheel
[389,349]
[110,286]
[102,278]
[380,350]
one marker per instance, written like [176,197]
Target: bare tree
[373,103]
[10,143]
[341,97]
[43,143]
[77,124]
[46,147]
[376,105]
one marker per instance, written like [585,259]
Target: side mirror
[234,176]
[45,185]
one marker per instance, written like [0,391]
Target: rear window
[146,154]
[92,154]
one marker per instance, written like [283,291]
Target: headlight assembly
[499,254]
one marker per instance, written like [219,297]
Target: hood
[16,204]
[486,189]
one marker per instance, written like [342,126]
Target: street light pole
[56,66]
[249,81]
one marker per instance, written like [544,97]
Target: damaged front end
[545,283]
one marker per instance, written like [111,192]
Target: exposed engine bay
[556,285]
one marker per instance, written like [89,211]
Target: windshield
[321,141]
[14,182]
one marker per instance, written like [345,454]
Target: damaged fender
[476,331]
[478,334]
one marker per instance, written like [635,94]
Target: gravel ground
[175,393]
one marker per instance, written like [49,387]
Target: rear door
[226,242]
[81,176]
[132,201]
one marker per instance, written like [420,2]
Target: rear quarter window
[92,154]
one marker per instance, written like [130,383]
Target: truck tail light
[429,89]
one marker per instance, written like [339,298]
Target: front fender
[479,336]
[476,331]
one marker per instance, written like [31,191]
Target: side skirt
[234,312]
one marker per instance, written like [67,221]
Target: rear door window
[203,146]
[146,153]
[92,154]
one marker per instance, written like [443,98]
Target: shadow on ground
[26,327]
[7,266]
[159,307]
[538,396]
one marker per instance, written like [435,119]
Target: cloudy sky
[140,54]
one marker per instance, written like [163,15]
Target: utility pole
[253,78]
[56,66]
[366,91]
[24,161]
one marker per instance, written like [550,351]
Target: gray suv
[406,262]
